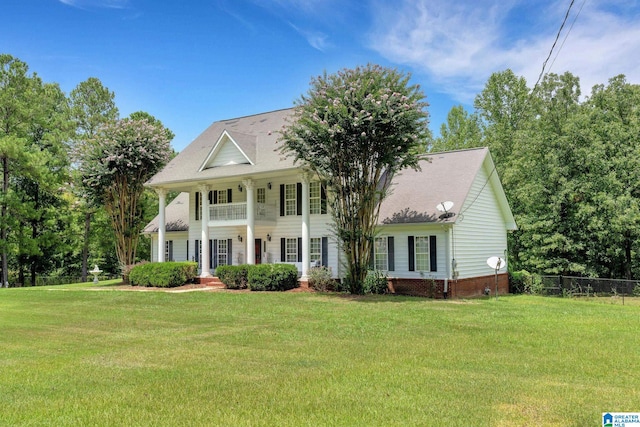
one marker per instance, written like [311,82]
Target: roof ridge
[253,115]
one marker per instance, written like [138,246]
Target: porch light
[269,237]
[239,238]
[269,186]
[240,188]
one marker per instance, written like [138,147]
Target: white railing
[238,212]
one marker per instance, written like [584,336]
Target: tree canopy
[355,129]
[114,166]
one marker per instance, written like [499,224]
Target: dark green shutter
[391,253]
[281,199]
[412,255]
[197,205]
[325,252]
[229,194]
[229,251]
[299,249]
[299,198]
[433,256]
[323,198]
[215,198]
[213,253]
[283,250]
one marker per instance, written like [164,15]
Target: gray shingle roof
[176,216]
[444,177]
[256,135]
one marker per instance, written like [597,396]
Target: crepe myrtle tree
[115,164]
[355,129]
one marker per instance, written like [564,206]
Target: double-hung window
[291,253]
[290,200]
[223,252]
[422,253]
[381,254]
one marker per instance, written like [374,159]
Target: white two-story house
[249,204]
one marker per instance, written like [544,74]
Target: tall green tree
[461,130]
[355,129]
[116,164]
[92,106]
[17,100]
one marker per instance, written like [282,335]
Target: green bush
[163,274]
[375,283]
[524,282]
[320,279]
[233,276]
[272,277]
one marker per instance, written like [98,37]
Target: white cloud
[459,45]
[316,39]
[92,4]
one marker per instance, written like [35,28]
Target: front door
[258,249]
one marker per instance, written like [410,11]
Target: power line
[575,18]
[544,64]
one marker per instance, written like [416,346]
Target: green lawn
[74,357]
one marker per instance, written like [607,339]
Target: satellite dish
[445,207]
[496,263]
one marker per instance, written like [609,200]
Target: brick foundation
[461,288]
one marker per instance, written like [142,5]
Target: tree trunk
[85,245]
[3,214]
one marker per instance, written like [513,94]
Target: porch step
[210,281]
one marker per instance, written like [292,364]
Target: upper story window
[290,199]
[315,198]
[261,195]
[222,197]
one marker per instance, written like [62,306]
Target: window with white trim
[222,197]
[315,250]
[290,201]
[223,255]
[381,254]
[315,197]
[291,254]
[261,195]
[422,253]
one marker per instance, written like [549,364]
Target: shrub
[272,277]
[375,282]
[524,282]
[320,279]
[163,274]
[233,276]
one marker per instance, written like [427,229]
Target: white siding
[401,249]
[228,154]
[179,239]
[480,230]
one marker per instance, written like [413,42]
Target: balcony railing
[238,212]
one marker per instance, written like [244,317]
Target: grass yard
[71,357]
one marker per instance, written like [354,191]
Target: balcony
[236,214]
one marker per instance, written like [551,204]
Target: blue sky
[190,63]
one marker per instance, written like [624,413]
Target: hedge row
[163,274]
[261,277]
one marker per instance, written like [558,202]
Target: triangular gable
[232,148]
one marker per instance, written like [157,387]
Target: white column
[305,226]
[251,219]
[204,217]
[162,223]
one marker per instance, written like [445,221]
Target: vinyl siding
[480,230]
[179,239]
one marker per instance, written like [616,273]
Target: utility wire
[544,64]
[575,18]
